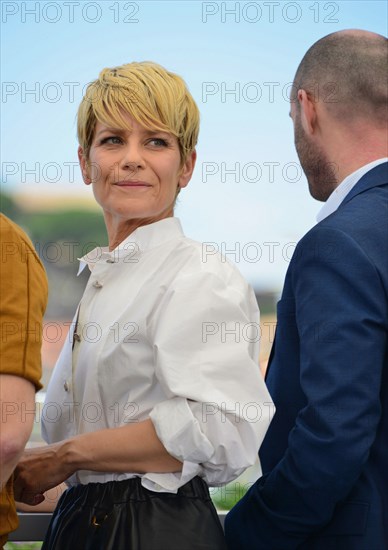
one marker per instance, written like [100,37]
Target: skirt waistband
[131,489]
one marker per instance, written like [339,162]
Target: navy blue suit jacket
[325,455]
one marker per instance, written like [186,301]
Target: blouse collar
[142,239]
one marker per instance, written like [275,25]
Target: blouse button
[110,261]
[76,337]
[66,386]
[97,285]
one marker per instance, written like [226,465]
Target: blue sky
[248,195]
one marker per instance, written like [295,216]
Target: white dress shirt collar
[143,238]
[344,189]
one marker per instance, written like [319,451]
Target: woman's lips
[132,183]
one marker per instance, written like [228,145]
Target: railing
[33,526]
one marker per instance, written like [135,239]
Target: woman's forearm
[132,448]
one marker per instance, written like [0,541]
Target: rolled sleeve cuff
[180,433]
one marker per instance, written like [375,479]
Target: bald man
[325,455]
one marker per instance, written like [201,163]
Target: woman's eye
[115,140]
[158,142]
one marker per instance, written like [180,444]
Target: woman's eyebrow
[145,131]
[148,131]
[111,130]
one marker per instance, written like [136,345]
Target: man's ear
[308,114]
[187,169]
[84,166]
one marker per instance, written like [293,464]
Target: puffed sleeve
[206,344]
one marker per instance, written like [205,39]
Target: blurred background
[248,197]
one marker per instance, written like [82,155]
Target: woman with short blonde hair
[156,402]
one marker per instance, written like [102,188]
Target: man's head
[340,89]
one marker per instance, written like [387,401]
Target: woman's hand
[39,470]
[51,498]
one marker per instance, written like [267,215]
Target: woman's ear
[187,169]
[84,166]
[308,114]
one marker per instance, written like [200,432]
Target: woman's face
[135,173]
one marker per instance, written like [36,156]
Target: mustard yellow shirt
[23,300]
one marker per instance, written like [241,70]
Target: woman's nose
[133,158]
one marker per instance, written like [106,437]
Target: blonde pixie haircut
[156,98]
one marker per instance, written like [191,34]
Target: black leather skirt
[123,515]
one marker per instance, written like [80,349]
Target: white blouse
[168,332]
